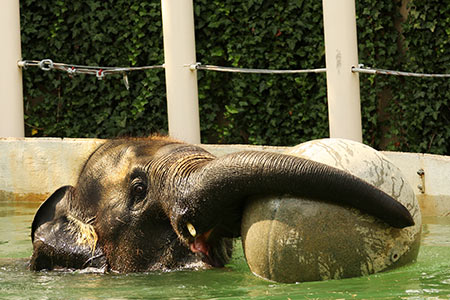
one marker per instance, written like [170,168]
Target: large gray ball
[289,239]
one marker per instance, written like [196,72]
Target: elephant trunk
[219,188]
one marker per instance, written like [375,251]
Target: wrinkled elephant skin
[154,203]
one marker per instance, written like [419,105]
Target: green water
[428,278]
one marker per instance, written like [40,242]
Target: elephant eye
[138,190]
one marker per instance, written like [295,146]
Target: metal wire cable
[367,70]
[198,66]
[71,69]
[101,72]
[48,64]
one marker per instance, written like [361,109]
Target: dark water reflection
[429,277]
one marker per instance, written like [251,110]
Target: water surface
[428,278]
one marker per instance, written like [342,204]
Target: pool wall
[32,168]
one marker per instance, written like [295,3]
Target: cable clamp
[46,64]
[71,71]
[195,66]
[100,74]
[22,64]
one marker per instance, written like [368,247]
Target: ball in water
[287,239]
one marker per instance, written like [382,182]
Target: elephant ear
[60,239]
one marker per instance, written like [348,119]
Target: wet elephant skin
[148,204]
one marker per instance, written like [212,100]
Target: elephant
[158,204]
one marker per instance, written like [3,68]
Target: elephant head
[159,204]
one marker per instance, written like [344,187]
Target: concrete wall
[32,168]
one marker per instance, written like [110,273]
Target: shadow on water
[429,277]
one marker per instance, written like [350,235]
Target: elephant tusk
[191,229]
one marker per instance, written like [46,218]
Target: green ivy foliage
[398,113]
[254,108]
[422,107]
[105,33]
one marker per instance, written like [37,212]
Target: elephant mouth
[201,246]
[200,243]
[212,248]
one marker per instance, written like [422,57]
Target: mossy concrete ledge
[32,168]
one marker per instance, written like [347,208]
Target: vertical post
[181,81]
[11,96]
[341,53]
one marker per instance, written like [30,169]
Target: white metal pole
[181,81]
[341,53]
[11,96]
